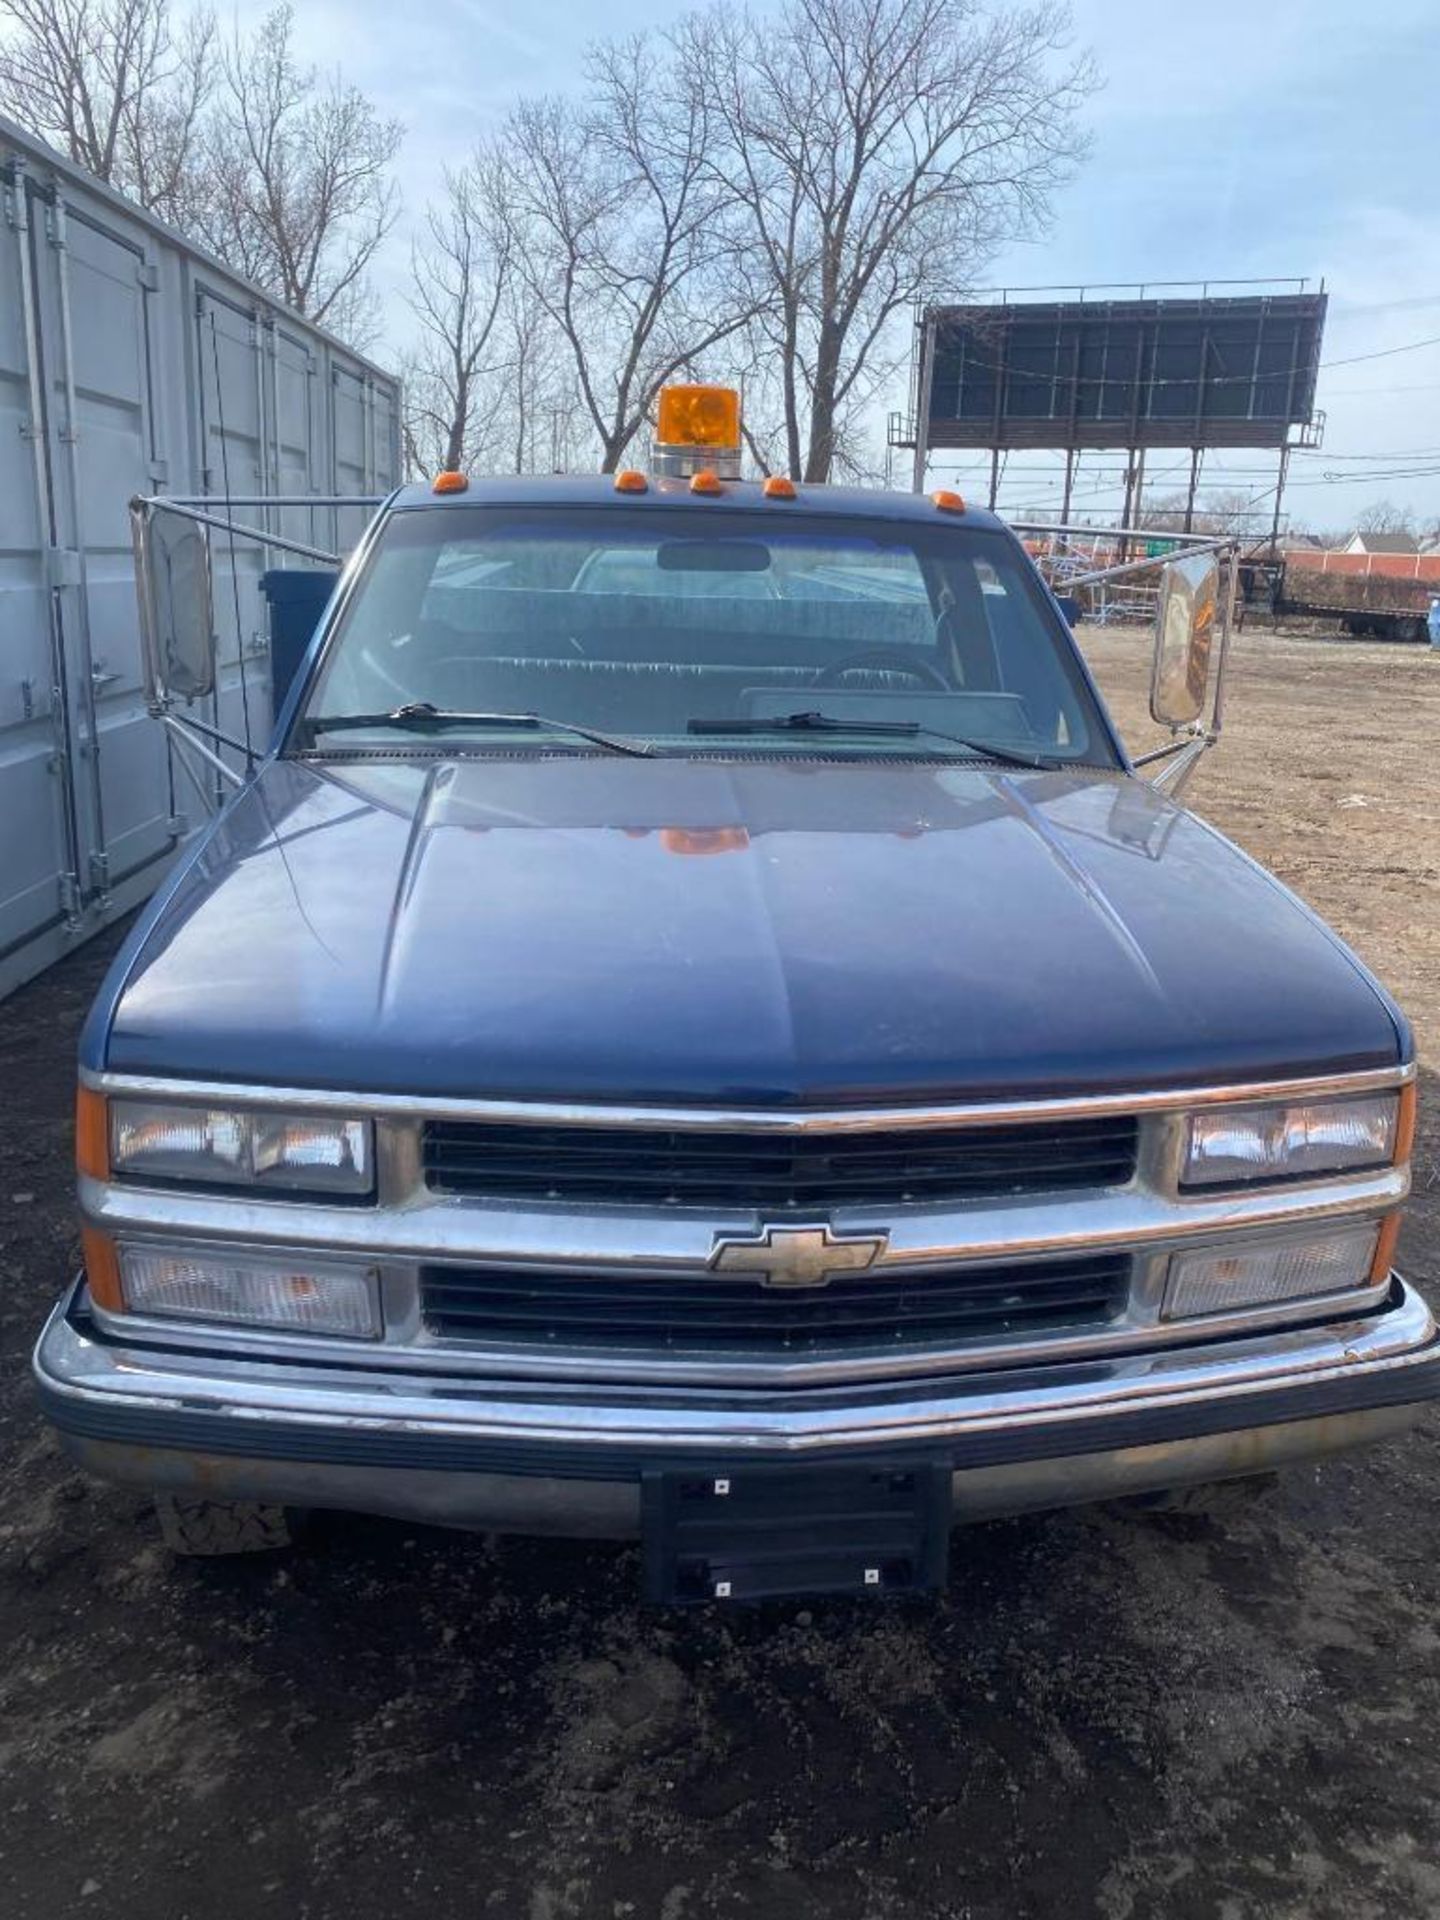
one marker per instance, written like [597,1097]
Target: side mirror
[173,582]
[1069,605]
[1184,629]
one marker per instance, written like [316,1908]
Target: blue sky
[1236,139]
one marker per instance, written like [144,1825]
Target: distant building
[1381,543]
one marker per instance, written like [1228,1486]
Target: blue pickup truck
[696,1031]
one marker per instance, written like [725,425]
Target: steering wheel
[884,660]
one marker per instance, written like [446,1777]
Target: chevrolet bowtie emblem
[797,1256]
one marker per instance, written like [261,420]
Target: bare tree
[538,406]
[876,152]
[297,191]
[1221,510]
[459,275]
[114,86]
[490,385]
[614,207]
[1383,516]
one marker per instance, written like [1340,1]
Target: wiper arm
[801,723]
[420,716]
[812,722]
[987,750]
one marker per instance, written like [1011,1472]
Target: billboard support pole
[1127,518]
[1069,484]
[1279,493]
[922,400]
[1194,484]
[994,476]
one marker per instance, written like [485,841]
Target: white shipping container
[133,363]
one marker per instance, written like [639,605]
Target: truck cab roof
[663,494]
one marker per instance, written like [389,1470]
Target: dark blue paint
[765,931]
[298,597]
[742,496]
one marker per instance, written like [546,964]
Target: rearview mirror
[713,556]
[1184,628]
[174,585]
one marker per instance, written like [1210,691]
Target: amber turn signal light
[102,1270]
[1405,1123]
[1384,1261]
[449,482]
[947,501]
[92,1135]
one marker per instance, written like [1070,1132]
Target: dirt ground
[1103,1716]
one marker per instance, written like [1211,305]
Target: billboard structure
[1196,371]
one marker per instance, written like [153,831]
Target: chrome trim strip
[626,1240]
[79,1369]
[580,1366]
[543,1113]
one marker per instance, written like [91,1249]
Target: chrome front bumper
[521,1457]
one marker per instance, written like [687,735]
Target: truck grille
[705,1313]
[890,1167]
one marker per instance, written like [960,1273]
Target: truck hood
[758,932]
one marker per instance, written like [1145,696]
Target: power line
[1384,353]
[1343,308]
[1394,453]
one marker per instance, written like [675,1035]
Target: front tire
[209,1528]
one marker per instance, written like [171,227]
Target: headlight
[298,1296]
[1270,1273]
[238,1147]
[1235,1146]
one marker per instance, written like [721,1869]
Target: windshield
[669,630]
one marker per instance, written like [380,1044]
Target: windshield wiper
[420,716]
[812,722]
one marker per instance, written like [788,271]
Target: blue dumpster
[297,597]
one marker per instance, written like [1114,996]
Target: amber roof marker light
[706,481]
[779,486]
[631,480]
[947,501]
[697,428]
[450,482]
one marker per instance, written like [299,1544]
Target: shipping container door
[39,844]
[98,315]
[292,367]
[353,463]
[236,458]
[385,401]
